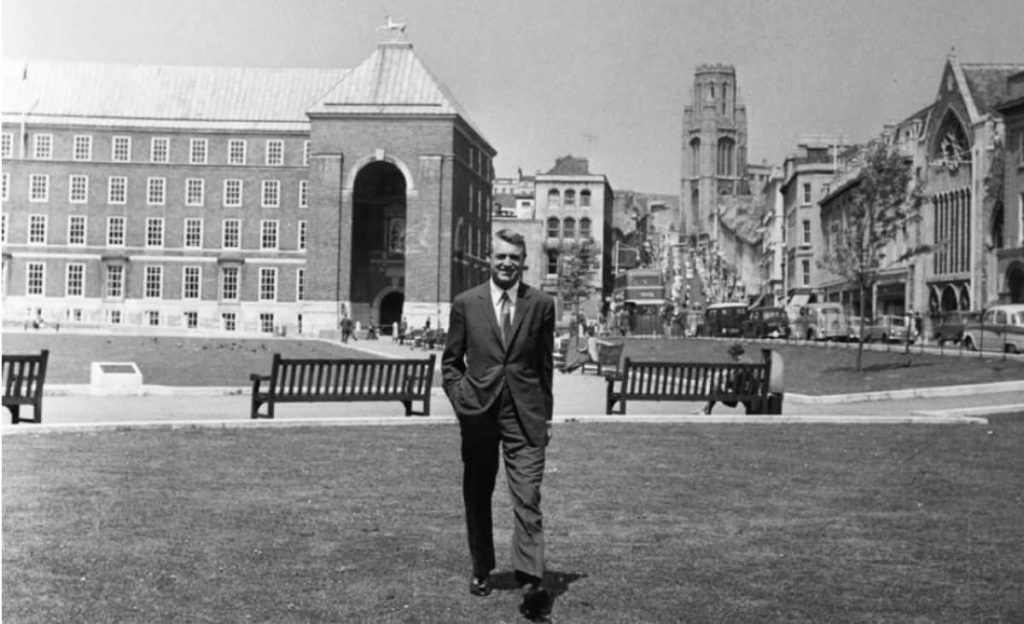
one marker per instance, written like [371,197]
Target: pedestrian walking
[497,371]
[346,329]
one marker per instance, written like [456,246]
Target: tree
[577,259]
[873,217]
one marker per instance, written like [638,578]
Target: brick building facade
[554,208]
[239,199]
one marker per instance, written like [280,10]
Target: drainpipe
[440,221]
[337,268]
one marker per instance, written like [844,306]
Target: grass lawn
[183,361]
[171,360]
[645,523]
[831,368]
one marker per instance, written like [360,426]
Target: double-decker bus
[639,297]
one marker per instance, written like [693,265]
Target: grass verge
[748,523]
[817,370]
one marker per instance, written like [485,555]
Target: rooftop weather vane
[396,27]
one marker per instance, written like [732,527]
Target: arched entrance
[950,299]
[378,240]
[391,309]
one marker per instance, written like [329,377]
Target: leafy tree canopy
[883,200]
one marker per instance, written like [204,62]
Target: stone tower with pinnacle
[714,144]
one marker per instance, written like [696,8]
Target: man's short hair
[512,237]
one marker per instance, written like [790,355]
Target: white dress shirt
[496,301]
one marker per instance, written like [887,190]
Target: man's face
[506,263]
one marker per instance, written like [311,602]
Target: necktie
[506,318]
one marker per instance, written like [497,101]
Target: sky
[601,79]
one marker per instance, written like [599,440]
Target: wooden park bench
[427,339]
[24,376]
[758,386]
[332,380]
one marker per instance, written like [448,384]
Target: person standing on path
[497,370]
[346,329]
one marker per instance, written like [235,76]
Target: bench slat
[316,380]
[24,377]
[694,381]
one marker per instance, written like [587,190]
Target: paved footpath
[578,397]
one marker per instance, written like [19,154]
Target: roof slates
[163,92]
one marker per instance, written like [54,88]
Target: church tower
[714,145]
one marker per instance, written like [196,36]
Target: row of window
[807,192]
[236,152]
[567,228]
[568,198]
[228,320]
[153,282]
[153,318]
[725,159]
[231,232]
[156,191]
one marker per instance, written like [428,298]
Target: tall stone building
[1008,234]
[553,209]
[714,148]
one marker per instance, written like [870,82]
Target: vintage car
[820,321]
[855,326]
[892,328]
[767,322]
[1001,328]
[723,319]
[950,326]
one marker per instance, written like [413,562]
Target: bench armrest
[613,376]
[257,379]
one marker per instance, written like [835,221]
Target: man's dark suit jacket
[475,363]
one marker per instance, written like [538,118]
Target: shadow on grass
[556,583]
[880,367]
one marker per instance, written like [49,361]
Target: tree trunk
[860,341]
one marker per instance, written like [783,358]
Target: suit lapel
[484,295]
[522,304]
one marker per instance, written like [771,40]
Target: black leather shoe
[480,586]
[536,605]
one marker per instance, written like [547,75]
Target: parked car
[892,328]
[1001,328]
[723,319]
[820,321]
[854,326]
[767,322]
[950,327]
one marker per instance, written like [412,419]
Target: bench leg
[14,413]
[254,410]
[610,405]
[408,407]
[774,404]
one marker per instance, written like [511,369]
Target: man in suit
[497,372]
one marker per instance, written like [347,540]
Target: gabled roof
[163,92]
[987,83]
[392,81]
